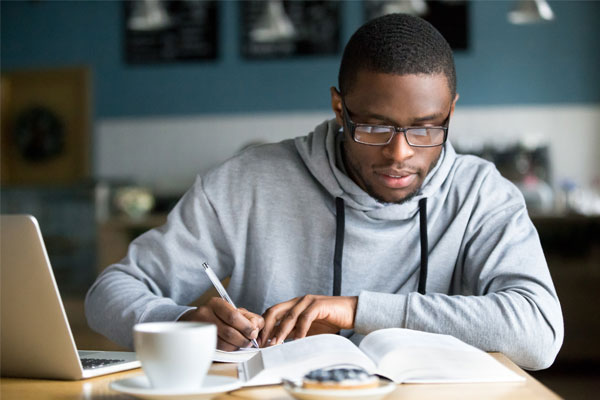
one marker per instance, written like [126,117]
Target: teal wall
[550,63]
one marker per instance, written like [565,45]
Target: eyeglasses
[381,135]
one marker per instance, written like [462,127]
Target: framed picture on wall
[170,31]
[451,18]
[46,126]
[282,28]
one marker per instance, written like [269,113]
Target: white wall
[166,153]
[572,133]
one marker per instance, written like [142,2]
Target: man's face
[393,173]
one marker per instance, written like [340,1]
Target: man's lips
[396,179]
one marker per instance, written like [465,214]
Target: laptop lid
[36,338]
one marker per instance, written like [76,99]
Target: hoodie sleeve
[504,299]
[162,271]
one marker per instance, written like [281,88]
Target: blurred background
[109,109]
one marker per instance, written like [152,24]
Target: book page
[235,356]
[408,356]
[292,360]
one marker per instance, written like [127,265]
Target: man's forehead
[376,84]
[418,94]
[365,78]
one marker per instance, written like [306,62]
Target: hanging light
[414,7]
[273,25]
[530,12]
[148,15]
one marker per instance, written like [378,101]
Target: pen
[222,292]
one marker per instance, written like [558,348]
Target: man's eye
[372,129]
[379,129]
[419,132]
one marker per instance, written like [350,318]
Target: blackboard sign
[279,29]
[170,31]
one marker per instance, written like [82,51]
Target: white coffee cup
[175,355]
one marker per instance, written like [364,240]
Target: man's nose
[398,149]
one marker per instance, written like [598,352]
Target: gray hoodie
[267,218]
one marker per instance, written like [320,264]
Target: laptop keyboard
[90,363]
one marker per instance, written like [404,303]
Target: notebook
[37,341]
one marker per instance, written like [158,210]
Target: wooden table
[98,388]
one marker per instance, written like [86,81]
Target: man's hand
[235,328]
[307,315]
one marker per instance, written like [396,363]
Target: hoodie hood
[321,153]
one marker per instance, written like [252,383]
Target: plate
[384,388]
[139,386]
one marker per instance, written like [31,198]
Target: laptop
[37,341]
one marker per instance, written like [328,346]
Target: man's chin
[396,197]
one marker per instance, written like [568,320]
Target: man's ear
[456,97]
[336,105]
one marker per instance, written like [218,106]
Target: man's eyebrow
[417,120]
[430,117]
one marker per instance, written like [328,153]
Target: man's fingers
[232,317]
[309,314]
[306,319]
[227,337]
[271,319]
[290,318]
[223,345]
[232,336]
[256,320]
[281,331]
[235,329]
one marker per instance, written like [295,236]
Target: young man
[371,221]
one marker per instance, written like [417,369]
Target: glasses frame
[396,129]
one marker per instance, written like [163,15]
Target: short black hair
[398,44]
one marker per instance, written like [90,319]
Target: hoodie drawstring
[424,245]
[340,220]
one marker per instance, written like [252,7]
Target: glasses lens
[373,134]
[425,136]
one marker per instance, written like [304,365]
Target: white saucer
[139,386]
[384,388]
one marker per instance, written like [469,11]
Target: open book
[234,356]
[402,355]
